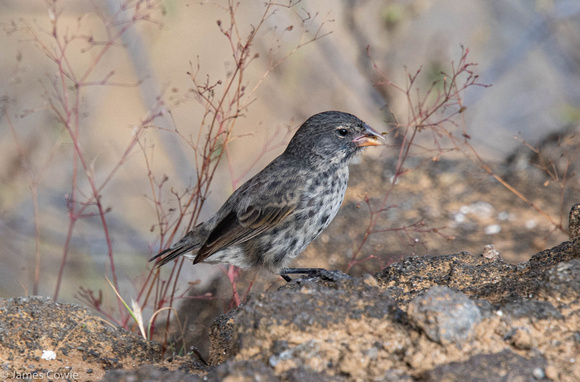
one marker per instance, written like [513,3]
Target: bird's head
[333,135]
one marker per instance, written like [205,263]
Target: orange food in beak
[369,137]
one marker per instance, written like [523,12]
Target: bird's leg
[312,272]
[301,271]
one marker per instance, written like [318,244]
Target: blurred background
[137,113]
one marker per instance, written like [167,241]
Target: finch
[272,218]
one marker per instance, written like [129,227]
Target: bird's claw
[311,273]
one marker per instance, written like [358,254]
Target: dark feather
[238,228]
[189,242]
[171,253]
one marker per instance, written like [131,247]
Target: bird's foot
[321,273]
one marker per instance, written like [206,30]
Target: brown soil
[453,317]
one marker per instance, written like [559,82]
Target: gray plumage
[272,217]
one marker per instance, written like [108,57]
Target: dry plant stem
[476,158]
[484,166]
[65,102]
[232,274]
[33,183]
[70,119]
[96,303]
[223,103]
[67,111]
[173,295]
[421,110]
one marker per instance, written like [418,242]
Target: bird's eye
[343,132]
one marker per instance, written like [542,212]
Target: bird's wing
[239,227]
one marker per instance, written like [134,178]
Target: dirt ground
[453,317]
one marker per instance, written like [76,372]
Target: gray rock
[538,310]
[446,316]
[302,374]
[501,367]
[562,282]
[242,371]
[149,373]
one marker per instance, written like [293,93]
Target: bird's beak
[369,137]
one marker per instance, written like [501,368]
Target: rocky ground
[455,318]
[487,315]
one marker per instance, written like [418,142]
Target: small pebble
[489,252]
[538,373]
[552,373]
[492,229]
[531,224]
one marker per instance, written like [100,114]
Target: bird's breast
[319,203]
[325,193]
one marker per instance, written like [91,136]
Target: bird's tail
[190,242]
[165,256]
